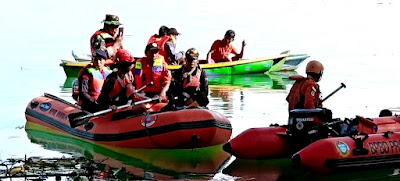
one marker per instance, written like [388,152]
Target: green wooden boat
[258,80]
[244,66]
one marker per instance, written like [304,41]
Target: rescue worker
[161,39]
[171,56]
[189,83]
[162,32]
[90,81]
[107,38]
[221,49]
[305,93]
[119,86]
[153,68]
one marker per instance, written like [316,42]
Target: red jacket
[161,41]
[304,94]
[148,70]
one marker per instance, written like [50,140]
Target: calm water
[357,41]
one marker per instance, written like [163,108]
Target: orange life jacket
[194,80]
[122,85]
[108,39]
[97,81]
[144,75]
[296,97]
[161,41]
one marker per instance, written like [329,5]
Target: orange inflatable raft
[187,128]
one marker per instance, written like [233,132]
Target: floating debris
[76,168]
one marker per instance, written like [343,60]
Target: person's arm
[202,99]
[84,87]
[166,81]
[238,55]
[209,59]
[175,56]
[203,82]
[212,50]
[241,51]
[112,50]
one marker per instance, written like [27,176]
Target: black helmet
[192,53]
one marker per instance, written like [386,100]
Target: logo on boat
[45,106]
[343,148]
[148,121]
[304,119]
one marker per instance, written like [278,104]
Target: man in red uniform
[90,81]
[305,93]
[153,68]
[221,49]
[107,39]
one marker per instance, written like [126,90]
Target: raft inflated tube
[342,153]
[259,143]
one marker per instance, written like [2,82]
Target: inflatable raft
[344,153]
[187,128]
[304,127]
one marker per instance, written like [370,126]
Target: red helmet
[123,56]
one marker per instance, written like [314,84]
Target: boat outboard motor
[307,125]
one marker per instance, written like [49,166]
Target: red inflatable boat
[350,152]
[187,128]
[305,127]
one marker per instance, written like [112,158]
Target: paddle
[74,116]
[77,121]
[341,86]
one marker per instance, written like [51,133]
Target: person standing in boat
[107,39]
[169,53]
[221,49]
[153,68]
[119,87]
[189,83]
[305,92]
[90,81]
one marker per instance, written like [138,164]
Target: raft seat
[365,125]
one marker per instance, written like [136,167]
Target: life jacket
[192,80]
[123,88]
[295,98]
[75,83]
[161,41]
[96,83]
[108,39]
[143,77]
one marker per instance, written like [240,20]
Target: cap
[230,33]
[123,56]
[151,46]
[99,53]
[192,53]
[112,20]
[173,31]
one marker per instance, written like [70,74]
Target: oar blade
[75,119]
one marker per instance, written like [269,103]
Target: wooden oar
[77,121]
